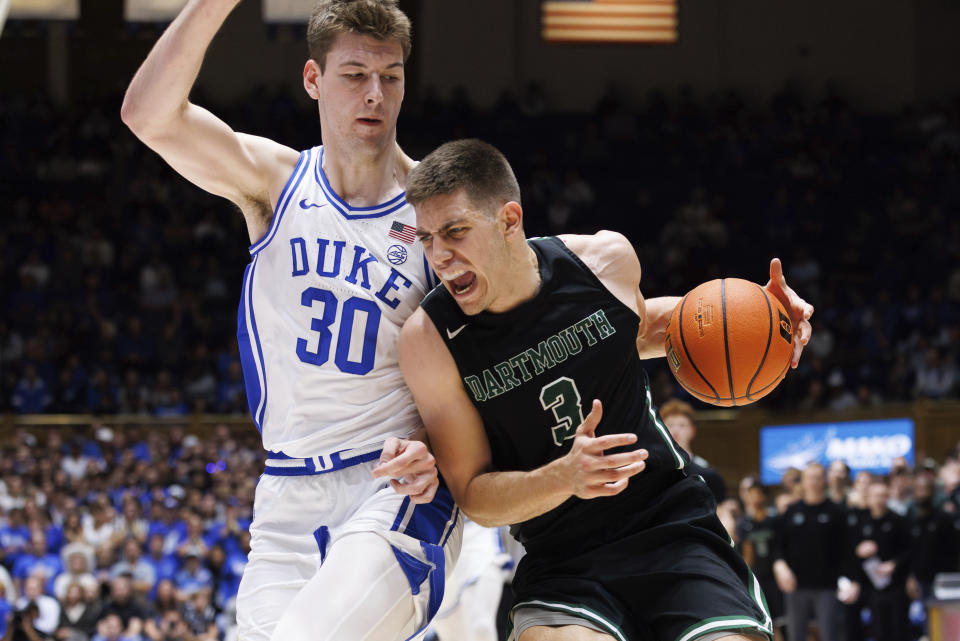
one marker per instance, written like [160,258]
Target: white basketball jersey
[324,297]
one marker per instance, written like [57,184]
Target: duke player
[352,533]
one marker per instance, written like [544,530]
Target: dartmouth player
[502,360]
[335,552]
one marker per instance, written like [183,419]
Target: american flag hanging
[403,233]
[650,21]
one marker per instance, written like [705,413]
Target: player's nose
[374,92]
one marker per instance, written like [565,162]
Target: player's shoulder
[605,252]
[418,329]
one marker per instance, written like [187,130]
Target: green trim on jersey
[664,432]
[717,624]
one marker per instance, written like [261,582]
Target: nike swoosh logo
[455,332]
[305,205]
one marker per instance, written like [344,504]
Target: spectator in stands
[98,524]
[901,487]
[23,625]
[934,543]
[883,550]
[48,609]
[38,562]
[78,615]
[678,417]
[78,559]
[32,394]
[165,565]
[809,557]
[123,602]
[790,482]
[756,533]
[142,573]
[838,481]
[110,628]
[192,576]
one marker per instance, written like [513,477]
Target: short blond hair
[675,406]
[381,19]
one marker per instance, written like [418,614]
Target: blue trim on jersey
[279,456]
[251,377]
[413,568]
[303,165]
[432,279]
[345,209]
[400,513]
[430,522]
[259,362]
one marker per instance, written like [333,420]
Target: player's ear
[511,217]
[311,78]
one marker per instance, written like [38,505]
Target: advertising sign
[863,445]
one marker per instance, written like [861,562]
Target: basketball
[729,342]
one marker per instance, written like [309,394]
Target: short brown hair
[469,164]
[674,406]
[381,19]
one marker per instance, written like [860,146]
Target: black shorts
[667,572]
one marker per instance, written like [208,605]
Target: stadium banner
[152,10]
[862,445]
[619,21]
[287,10]
[45,9]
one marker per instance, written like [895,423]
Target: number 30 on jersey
[322,325]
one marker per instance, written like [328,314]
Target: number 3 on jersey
[322,325]
[563,397]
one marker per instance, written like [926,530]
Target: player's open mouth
[369,121]
[460,282]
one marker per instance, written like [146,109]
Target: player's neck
[525,280]
[365,178]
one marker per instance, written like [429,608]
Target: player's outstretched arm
[463,452]
[248,170]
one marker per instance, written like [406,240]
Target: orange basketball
[729,342]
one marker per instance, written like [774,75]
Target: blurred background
[720,135]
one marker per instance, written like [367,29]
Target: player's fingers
[613,461]
[589,425]
[406,464]
[609,441]
[776,273]
[608,489]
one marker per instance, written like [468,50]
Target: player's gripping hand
[592,473]
[411,468]
[800,310]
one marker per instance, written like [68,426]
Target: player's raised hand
[411,468]
[592,473]
[800,310]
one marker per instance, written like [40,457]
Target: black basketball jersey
[533,371]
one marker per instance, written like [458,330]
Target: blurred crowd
[124,534]
[856,554]
[119,281]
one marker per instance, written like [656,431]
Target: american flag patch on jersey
[401,232]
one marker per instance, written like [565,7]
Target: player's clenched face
[467,249]
[360,91]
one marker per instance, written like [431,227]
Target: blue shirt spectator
[193,576]
[32,394]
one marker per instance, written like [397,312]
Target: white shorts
[342,556]
[472,596]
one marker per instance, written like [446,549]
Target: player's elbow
[144,122]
